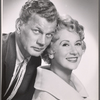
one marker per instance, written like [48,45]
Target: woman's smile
[72,59]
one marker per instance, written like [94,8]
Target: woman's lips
[72,59]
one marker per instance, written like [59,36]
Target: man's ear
[19,23]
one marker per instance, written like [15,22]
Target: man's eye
[65,44]
[49,35]
[36,31]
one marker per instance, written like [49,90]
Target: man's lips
[37,49]
[72,59]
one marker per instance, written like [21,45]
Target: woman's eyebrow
[79,40]
[64,41]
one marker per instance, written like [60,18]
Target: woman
[56,81]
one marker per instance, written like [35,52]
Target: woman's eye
[65,44]
[78,44]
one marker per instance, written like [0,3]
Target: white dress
[49,86]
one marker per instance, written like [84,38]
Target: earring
[18,30]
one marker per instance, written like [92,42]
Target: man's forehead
[34,17]
[41,23]
[37,18]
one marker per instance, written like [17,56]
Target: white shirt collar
[20,57]
[48,81]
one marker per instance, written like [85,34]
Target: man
[21,49]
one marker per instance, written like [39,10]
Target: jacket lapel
[30,74]
[10,61]
[10,58]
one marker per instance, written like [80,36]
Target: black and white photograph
[49,50]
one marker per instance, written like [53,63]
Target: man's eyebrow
[40,30]
[51,32]
[64,41]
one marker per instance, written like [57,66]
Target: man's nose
[41,40]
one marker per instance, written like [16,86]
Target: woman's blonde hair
[72,25]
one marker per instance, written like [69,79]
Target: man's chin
[37,54]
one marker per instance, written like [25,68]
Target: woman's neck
[63,73]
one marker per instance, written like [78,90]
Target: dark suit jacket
[26,89]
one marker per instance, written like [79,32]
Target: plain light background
[86,12]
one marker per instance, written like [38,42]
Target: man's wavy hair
[44,8]
[72,25]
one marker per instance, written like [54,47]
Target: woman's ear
[51,53]
[83,51]
[19,23]
[83,47]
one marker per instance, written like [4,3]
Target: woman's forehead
[64,33]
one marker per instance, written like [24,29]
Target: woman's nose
[41,40]
[73,51]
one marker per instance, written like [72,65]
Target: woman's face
[68,50]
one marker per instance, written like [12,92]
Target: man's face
[36,34]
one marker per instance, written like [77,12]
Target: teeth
[71,58]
